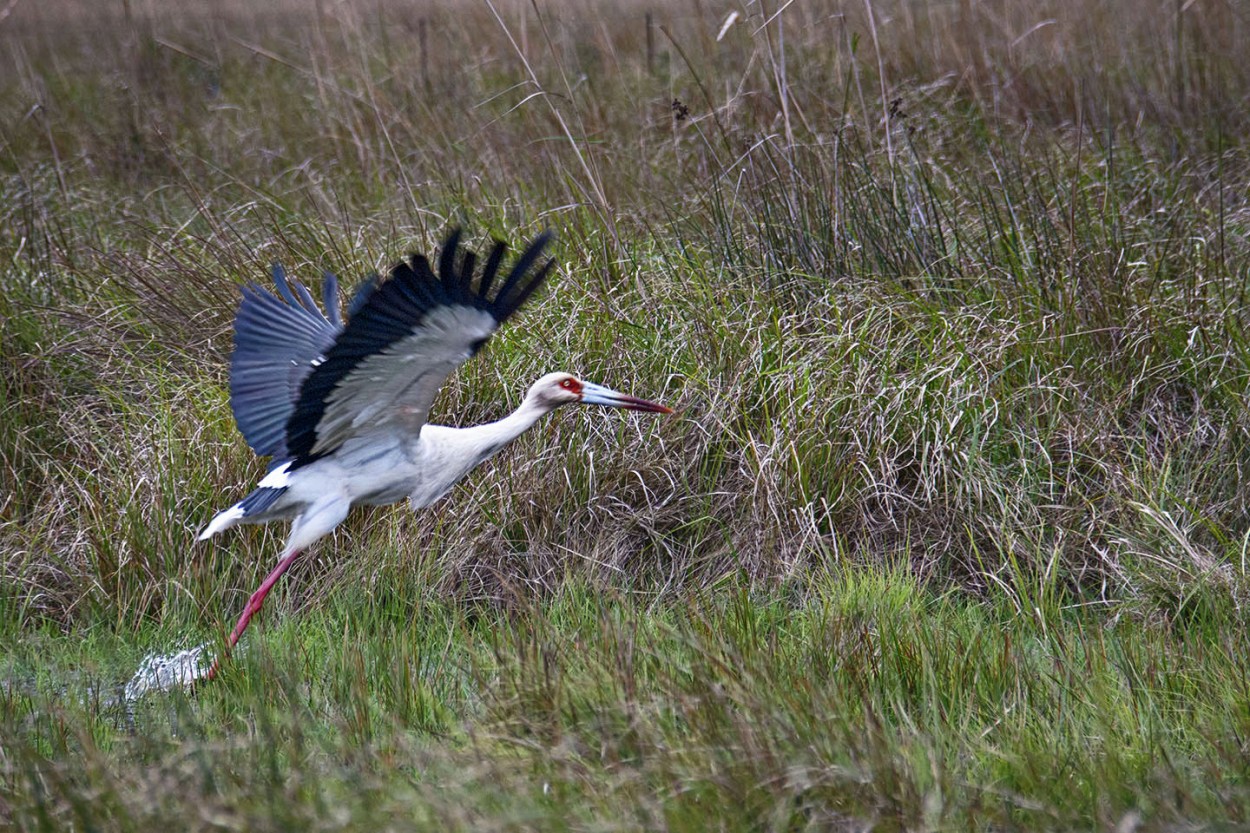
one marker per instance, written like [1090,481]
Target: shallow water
[163,672]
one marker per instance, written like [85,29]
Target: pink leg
[253,605]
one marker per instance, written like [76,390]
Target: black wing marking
[408,335]
[362,295]
[276,342]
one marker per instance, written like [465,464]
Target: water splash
[162,672]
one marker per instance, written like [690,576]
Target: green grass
[871,700]
[949,530]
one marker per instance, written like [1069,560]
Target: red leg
[253,605]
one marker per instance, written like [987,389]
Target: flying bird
[341,407]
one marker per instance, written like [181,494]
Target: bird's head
[556,389]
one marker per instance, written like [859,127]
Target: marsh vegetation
[950,530]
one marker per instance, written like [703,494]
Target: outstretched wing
[408,336]
[276,341]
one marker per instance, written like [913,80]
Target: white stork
[342,407]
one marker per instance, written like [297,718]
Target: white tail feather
[223,520]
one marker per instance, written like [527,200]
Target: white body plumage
[384,467]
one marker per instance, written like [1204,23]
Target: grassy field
[950,530]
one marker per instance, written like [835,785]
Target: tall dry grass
[960,284]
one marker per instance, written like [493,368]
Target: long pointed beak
[593,394]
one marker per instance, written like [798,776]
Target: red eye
[571,385]
[567,384]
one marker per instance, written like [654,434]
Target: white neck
[493,436]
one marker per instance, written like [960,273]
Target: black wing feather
[462,290]
[516,288]
[330,298]
[395,310]
[284,288]
[447,259]
[492,266]
[362,294]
